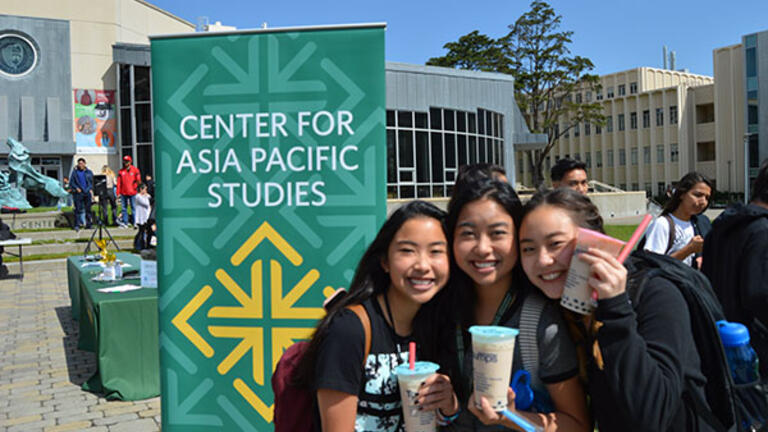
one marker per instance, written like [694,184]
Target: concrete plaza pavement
[41,369]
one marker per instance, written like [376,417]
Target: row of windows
[136,116]
[425,150]
[621,88]
[621,124]
[483,122]
[751,69]
[674,156]
[750,56]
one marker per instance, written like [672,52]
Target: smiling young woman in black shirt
[405,267]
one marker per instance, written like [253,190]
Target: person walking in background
[679,231]
[736,262]
[81,184]
[571,174]
[110,196]
[66,201]
[143,209]
[150,188]
[128,181]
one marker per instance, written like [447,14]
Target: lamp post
[746,166]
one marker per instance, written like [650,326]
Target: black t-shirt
[340,367]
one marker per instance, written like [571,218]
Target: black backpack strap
[694,400]
[671,240]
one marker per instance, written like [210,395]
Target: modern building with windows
[66,93]
[755,48]
[80,85]
[672,122]
[650,136]
[439,119]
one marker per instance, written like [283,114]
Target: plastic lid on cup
[733,334]
[493,333]
[420,368]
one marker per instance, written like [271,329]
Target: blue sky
[615,35]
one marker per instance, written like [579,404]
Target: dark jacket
[649,360]
[74,181]
[736,263]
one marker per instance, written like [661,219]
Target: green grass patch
[77,240]
[33,230]
[48,209]
[621,232]
[38,257]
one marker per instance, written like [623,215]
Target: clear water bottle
[742,359]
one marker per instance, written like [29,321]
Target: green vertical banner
[270,166]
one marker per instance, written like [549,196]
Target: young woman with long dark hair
[639,361]
[404,268]
[483,217]
[690,198]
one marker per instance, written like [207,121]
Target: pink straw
[412,355]
[635,237]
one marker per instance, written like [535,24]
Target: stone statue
[10,196]
[26,177]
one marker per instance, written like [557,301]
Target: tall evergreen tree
[548,78]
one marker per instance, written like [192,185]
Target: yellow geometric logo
[250,306]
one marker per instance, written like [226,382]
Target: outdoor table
[122,329]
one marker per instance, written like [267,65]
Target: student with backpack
[638,357]
[681,229]
[405,267]
[736,263]
[483,216]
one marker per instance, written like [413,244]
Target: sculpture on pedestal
[26,177]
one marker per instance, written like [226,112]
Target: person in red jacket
[128,181]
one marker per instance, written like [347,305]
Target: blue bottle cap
[733,334]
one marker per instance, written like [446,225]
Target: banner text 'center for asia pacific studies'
[270,163]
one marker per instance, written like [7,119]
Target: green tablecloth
[74,269]
[122,329]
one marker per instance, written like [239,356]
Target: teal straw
[523,423]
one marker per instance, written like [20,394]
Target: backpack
[670,240]
[701,226]
[530,315]
[728,406]
[291,399]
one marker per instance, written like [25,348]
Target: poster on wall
[95,123]
[271,182]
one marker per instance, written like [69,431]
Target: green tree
[548,78]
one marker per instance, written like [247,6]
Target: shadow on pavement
[80,364]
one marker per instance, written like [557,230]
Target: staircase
[55,245]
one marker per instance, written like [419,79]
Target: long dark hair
[683,186]
[585,214]
[458,303]
[465,192]
[370,280]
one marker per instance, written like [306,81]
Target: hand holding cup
[607,276]
[436,392]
